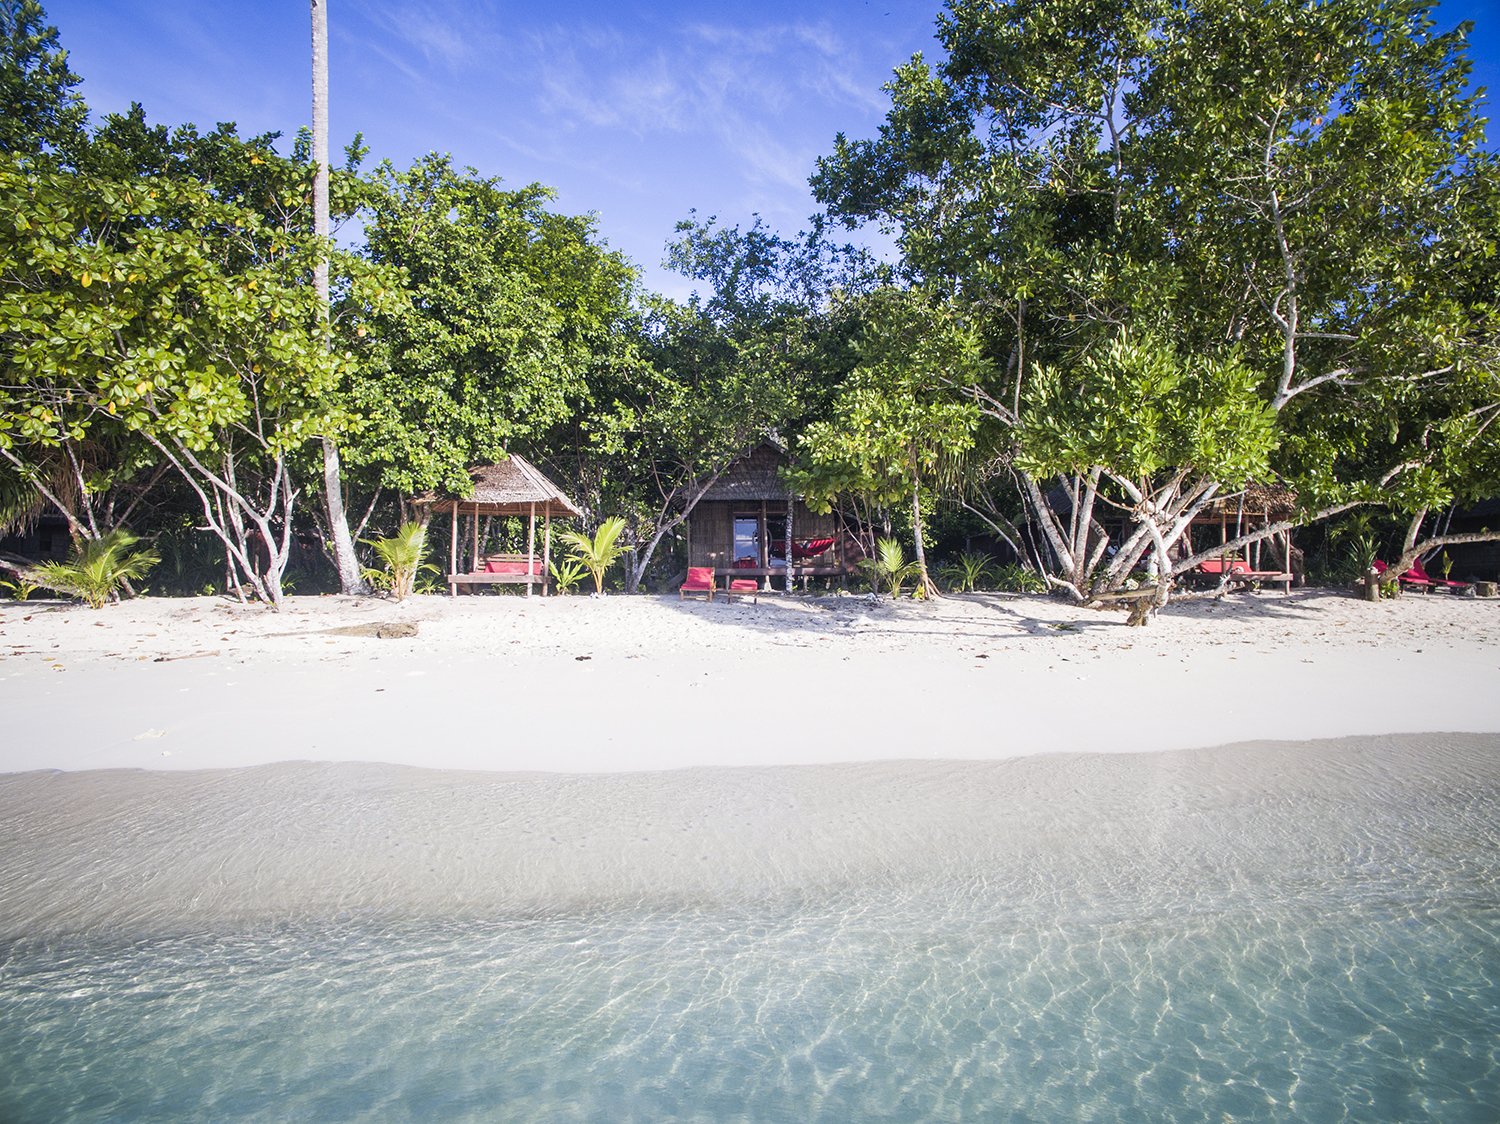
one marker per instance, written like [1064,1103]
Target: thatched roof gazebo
[512,488]
[1255,506]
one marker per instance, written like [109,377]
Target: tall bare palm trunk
[350,579]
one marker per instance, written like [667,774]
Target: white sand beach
[651,826]
[625,684]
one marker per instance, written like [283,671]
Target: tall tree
[746,358]
[41,114]
[151,312]
[351,579]
[894,429]
[661,432]
[1268,184]
[514,309]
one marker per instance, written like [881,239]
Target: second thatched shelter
[514,487]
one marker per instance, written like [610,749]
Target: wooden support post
[530,546]
[790,502]
[765,549]
[474,563]
[453,552]
[546,546]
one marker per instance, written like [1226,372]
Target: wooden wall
[712,528]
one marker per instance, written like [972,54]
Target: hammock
[801,551]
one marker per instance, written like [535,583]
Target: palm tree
[599,553]
[890,568]
[98,567]
[402,555]
[351,579]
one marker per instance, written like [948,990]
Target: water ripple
[1325,946]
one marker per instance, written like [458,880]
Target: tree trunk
[350,579]
[636,570]
[929,587]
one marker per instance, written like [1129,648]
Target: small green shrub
[889,569]
[98,568]
[968,571]
[20,589]
[1011,578]
[567,575]
[598,553]
[402,558]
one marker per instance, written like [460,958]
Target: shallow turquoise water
[1362,983]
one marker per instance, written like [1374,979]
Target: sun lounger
[743,587]
[700,579]
[1418,578]
[1418,573]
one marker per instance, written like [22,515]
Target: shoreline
[637,684]
[129,853]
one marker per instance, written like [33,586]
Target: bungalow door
[746,552]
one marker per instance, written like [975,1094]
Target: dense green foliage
[1292,194]
[513,310]
[1151,251]
[40,114]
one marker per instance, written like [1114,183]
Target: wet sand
[131,852]
[187,763]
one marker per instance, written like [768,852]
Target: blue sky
[637,112]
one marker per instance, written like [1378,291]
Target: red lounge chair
[1416,577]
[1418,573]
[700,579]
[743,587]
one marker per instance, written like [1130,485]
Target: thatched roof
[754,475]
[510,488]
[1257,499]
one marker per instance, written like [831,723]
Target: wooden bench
[502,569]
[1240,573]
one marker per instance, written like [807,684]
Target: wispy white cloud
[453,34]
[729,85]
[647,95]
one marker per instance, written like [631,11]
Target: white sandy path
[496,683]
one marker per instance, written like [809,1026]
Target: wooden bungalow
[512,489]
[748,522]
